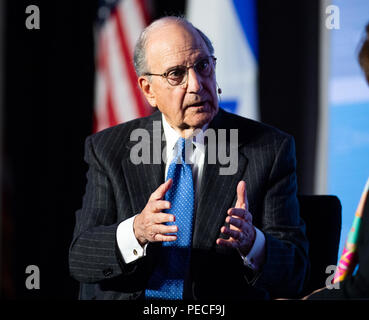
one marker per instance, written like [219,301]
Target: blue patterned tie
[167,280]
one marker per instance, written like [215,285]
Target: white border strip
[2,48]
[321,155]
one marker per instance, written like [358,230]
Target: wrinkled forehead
[174,43]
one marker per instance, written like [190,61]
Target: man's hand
[241,231]
[148,226]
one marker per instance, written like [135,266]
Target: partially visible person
[364,54]
[356,284]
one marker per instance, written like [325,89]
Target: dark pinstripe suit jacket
[118,189]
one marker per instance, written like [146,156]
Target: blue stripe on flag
[229,105]
[247,15]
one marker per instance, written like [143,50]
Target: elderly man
[179,229]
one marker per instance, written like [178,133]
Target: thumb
[241,195]
[160,192]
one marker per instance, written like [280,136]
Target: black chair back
[323,217]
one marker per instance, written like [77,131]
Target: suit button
[108,272]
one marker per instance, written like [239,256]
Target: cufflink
[248,263]
[107,272]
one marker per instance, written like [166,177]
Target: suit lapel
[144,179]
[217,193]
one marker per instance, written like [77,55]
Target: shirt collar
[172,136]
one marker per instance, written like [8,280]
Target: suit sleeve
[286,262]
[94,254]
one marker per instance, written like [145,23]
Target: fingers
[227,243]
[240,231]
[237,238]
[240,221]
[242,239]
[162,238]
[158,205]
[240,213]
[162,229]
[235,234]
[150,224]
[236,223]
[162,217]
[161,232]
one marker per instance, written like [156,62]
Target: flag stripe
[130,70]
[143,10]
[117,94]
[100,119]
[112,120]
[132,22]
[111,117]
[123,97]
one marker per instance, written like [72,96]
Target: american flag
[117,95]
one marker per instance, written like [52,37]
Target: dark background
[49,82]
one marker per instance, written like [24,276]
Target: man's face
[194,103]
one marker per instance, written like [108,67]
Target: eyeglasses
[178,75]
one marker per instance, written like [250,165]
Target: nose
[194,81]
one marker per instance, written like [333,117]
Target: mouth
[198,104]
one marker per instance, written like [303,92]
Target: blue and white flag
[231,25]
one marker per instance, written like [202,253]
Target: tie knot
[181,148]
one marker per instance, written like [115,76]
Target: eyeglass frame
[165,74]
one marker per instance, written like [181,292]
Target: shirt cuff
[128,245]
[254,259]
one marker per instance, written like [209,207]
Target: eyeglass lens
[178,75]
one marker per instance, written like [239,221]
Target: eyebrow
[174,67]
[182,65]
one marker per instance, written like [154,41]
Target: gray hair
[139,57]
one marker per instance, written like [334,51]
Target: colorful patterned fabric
[348,260]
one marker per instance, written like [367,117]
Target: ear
[146,87]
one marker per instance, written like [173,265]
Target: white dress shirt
[128,245]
